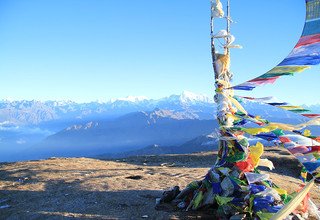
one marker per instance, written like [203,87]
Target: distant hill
[129,132]
[203,143]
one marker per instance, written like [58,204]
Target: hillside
[82,188]
[198,144]
[125,133]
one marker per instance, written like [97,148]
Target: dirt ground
[84,188]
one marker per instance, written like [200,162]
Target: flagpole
[213,49]
[221,76]
[228,21]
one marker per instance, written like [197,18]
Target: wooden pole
[220,97]
[213,49]
[228,22]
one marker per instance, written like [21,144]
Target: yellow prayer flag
[255,153]
[307,133]
[290,107]
[255,131]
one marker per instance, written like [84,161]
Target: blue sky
[85,50]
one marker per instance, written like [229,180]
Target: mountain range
[23,124]
[36,112]
[65,128]
[126,133]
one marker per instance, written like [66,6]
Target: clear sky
[86,50]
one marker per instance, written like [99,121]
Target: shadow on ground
[65,200]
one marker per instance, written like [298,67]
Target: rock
[170,195]
[23,179]
[136,177]
[158,201]
[167,164]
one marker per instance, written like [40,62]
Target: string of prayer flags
[305,54]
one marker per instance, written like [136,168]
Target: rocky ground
[84,188]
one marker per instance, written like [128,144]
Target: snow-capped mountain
[131,99]
[36,112]
[188,98]
[68,112]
